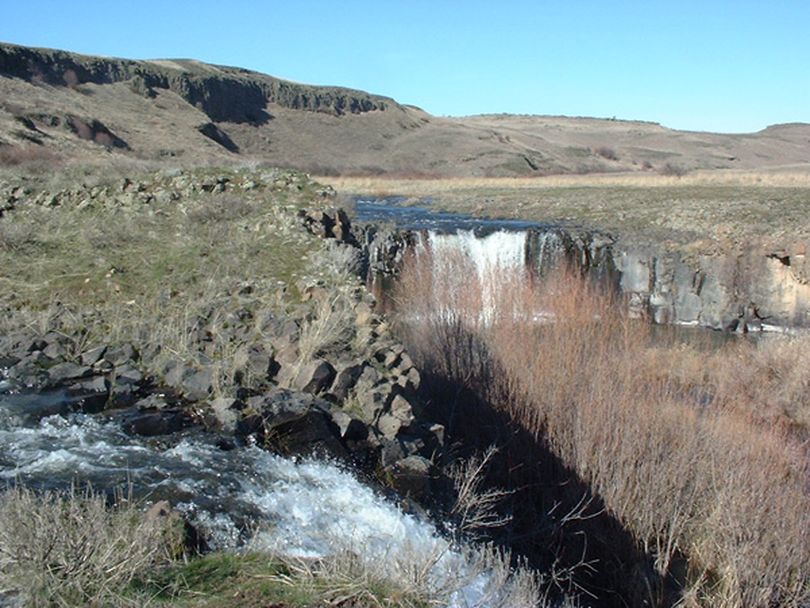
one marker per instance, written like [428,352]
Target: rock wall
[736,292]
[224,94]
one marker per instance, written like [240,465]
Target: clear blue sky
[730,66]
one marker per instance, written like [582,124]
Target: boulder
[315,377]
[400,408]
[349,427]
[93,393]
[389,426]
[293,423]
[152,402]
[376,400]
[412,477]
[347,375]
[55,350]
[30,370]
[62,372]
[151,424]
[194,382]
[128,374]
[93,356]
[119,355]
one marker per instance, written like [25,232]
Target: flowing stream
[236,496]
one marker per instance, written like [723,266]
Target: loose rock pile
[353,397]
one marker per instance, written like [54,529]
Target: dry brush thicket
[72,549]
[701,455]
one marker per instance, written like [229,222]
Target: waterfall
[498,255]
[549,251]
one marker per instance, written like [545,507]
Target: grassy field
[148,268]
[706,212]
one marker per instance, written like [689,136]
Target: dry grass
[71,549]
[31,158]
[382,185]
[701,212]
[679,452]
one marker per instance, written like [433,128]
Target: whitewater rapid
[238,498]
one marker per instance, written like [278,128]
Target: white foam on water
[549,250]
[305,509]
[493,258]
[491,253]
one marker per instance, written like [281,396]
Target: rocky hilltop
[58,105]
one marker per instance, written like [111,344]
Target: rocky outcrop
[224,94]
[751,291]
[738,292]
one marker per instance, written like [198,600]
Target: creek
[234,496]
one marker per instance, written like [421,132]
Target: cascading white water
[549,247]
[492,258]
[298,508]
[498,251]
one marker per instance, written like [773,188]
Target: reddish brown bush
[607,153]
[27,155]
[683,462]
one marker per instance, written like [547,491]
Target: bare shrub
[70,549]
[673,170]
[415,578]
[607,153]
[677,457]
[337,263]
[328,329]
[16,236]
[13,156]
[475,506]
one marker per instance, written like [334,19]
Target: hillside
[56,103]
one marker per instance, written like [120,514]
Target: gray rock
[93,394]
[410,381]
[55,350]
[293,423]
[93,356]
[199,384]
[96,384]
[151,424]
[374,401]
[368,379]
[391,451]
[389,426]
[401,410]
[412,476]
[345,379]
[61,372]
[405,363]
[152,402]
[260,363]
[315,377]
[119,355]
[195,383]
[128,374]
[349,427]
